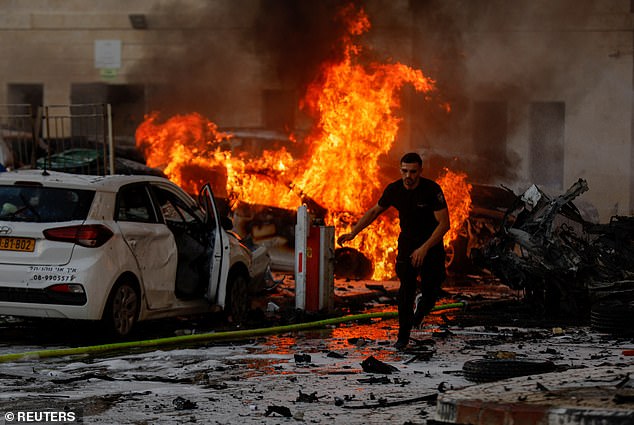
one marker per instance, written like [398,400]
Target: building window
[489,137]
[19,116]
[26,94]
[547,123]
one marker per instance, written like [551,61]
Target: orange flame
[458,196]
[356,124]
[188,149]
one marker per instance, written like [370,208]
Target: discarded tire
[613,316]
[489,370]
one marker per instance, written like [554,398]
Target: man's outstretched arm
[367,219]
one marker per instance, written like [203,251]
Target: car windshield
[43,204]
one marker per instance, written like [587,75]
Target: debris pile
[562,263]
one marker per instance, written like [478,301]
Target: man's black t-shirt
[416,209]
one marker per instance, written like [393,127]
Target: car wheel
[237,303]
[122,310]
[350,263]
[456,259]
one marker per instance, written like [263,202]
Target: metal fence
[74,138]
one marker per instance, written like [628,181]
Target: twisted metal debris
[561,262]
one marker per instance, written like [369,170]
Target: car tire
[350,263]
[613,316]
[122,310]
[489,370]
[237,304]
[456,259]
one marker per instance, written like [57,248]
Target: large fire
[356,123]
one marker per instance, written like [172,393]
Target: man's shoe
[400,344]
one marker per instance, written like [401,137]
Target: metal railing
[75,138]
[17,136]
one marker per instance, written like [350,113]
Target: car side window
[134,204]
[174,210]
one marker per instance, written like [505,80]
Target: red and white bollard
[314,264]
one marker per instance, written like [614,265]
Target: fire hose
[203,337]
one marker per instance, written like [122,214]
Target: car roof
[109,183]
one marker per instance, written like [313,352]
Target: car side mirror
[226,223]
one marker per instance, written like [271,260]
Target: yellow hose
[204,337]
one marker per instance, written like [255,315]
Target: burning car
[118,249]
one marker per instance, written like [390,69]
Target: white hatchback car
[118,249]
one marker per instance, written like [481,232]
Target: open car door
[219,261]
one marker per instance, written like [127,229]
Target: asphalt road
[315,376]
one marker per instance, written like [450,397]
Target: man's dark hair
[412,158]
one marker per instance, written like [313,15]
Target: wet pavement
[318,375]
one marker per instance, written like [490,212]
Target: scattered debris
[271,307]
[419,350]
[376,287]
[373,365]
[278,410]
[184,404]
[359,342]
[302,358]
[561,262]
[375,380]
[84,377]
[541,387]
[307,398]
[241,380]
[382,402]
[423,342]
[625,391]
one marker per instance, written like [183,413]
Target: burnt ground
[488,303]
[315,376]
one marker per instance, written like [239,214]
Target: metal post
[110,139]
[301,237]
[326,267]
[47,120]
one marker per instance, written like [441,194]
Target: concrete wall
[53,43]
[217,58]
[582,62]
[575,52]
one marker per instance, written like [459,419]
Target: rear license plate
[17,244]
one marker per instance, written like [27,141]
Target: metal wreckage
[564,264]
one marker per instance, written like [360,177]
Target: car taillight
[90,236]
[67,288]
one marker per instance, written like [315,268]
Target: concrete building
[540,91]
